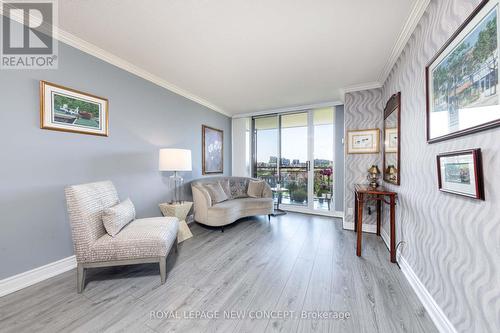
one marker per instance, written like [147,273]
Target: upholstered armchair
[147,240]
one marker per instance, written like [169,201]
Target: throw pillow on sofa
[216,192]
[225,186]
[239,187]
[116,217]
[255,188]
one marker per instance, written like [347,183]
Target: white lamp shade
[175,160]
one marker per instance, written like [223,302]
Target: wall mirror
[392,130]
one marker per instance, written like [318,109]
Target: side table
[179,210]
[279,193]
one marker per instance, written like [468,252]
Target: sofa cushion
[226,187]
[255,203]
[142,238]
[255,188]
[228,211]
[238,187]
[116,217]
[217,194]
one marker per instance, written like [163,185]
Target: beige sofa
[238,206]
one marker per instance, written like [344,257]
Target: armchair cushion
[142,238]
[118,216]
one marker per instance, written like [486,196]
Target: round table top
[282,189]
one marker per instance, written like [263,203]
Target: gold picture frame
[212,150]
[363,141]
[68,110]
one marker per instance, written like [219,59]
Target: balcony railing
[295,179]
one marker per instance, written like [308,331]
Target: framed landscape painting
[363,141]
[212,150]
[69,110]
[462,79]
[460,173]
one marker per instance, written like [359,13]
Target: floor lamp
[175,160]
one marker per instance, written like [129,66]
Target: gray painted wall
[363,110]
[37,164]
[339,158]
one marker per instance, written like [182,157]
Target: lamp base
[177,182]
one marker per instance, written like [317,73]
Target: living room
[238,166]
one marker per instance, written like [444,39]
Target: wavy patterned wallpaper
[362,110]
[451,242]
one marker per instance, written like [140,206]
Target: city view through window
[305,142]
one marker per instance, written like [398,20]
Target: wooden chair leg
[269,217]
[80,278]
[163,269]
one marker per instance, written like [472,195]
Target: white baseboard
[437,315]
[371,228]
[306,210]
[385,237]
[26,279]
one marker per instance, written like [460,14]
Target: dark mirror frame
[393,105]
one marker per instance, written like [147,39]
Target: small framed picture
[212,150]
[391,137]
[460,173]
[363,141]
[69,110]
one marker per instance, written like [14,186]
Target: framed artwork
[363,141]
[69,110]
[212,150]
[391,135]
[462,79]
[461,173]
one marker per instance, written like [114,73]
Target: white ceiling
[240,56]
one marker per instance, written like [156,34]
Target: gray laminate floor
[263,271]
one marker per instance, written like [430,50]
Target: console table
[363,193]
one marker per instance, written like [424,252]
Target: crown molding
[93,50]
[362,86]
[416,14]
[289,109]
[112,59]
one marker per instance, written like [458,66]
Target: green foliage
[463,62]
[486,43]
[299,195]
[292,187]
[72,103]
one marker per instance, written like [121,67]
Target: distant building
[322,163]
[295,162]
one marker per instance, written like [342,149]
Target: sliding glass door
[296,151]
[266,149]
[294,159]
[324,147]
